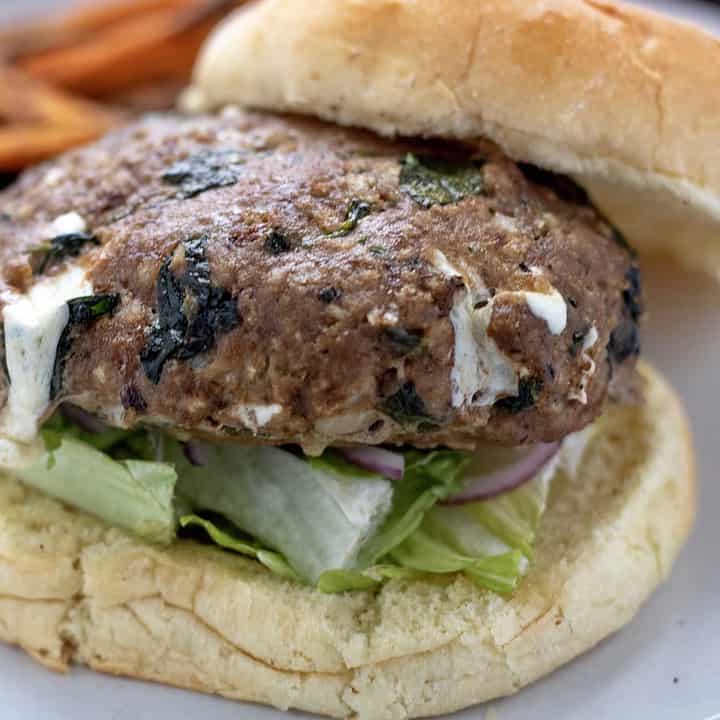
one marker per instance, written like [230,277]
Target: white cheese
[481,373]
[33,324]
[589,366]
[68,224]
[549,307]
[256,416]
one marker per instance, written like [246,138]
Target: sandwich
[328,395]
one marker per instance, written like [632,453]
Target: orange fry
[159,44]
[77,24]
[48,121]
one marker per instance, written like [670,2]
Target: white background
[664,666]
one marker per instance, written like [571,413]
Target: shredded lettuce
[429,477]
[133,494]
[223,534]
[318,515]
[490,541]
[320,521]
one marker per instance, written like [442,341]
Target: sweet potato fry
[136,52]
[39,121]
[21,146]
[157,44]
[77,24]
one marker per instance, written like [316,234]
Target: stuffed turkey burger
[346,414]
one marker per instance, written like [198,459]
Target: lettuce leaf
[133,494]
[321,521]
[318,515]
[226,537]
[337,581]
[429,477]
[490,541]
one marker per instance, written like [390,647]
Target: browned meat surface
[282,280]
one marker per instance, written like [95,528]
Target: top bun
[624,100]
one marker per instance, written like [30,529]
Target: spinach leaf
[406,406]
[61,247]
[329,294]
[191,312]
[578,337]
[83,311]
[402,341]
[529,390]
[357,210]
[276,243]
[203,171]
[434,181]
[625,338]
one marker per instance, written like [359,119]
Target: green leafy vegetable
[329,294]
[191,312]
[321,520]
[500,573]
[205,170]
[357,210]
[491,541]
[136,444]
[132,494]
[625,338]
[83,311]
[318,514]
[276,243]
[61,247]
[406,406]
[435,181]
[223,534]
[429,477]
[529,390]
[335,581]
[403,341]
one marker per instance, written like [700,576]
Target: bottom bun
[75,590]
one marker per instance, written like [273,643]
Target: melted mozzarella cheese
[33,324]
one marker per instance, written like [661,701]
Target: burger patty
[276,280]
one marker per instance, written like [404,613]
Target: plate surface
[664,666]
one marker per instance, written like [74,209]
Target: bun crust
[75,590]
[622,99]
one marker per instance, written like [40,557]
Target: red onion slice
[495,471]
[376,459]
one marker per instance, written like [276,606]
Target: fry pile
[67,80]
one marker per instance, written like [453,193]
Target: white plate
[664,666]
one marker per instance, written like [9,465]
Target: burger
[328,396]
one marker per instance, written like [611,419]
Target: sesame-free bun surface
[75,590]
[624,100]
